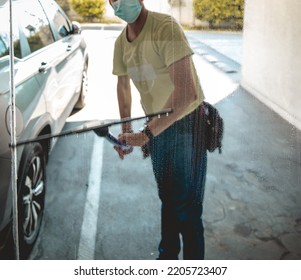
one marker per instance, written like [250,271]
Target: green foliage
[220,12]
[90,10]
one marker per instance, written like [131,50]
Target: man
[153,52]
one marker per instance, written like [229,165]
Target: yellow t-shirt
[146,60]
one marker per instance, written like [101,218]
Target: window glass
[4,34]
[3,45]
[60,22]
[35,25]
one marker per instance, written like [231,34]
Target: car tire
[31,196]
[81,102]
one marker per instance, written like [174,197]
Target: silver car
[51,63]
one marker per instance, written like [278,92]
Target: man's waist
[191,109]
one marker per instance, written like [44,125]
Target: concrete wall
[182,10]
[160,6]
[271,68]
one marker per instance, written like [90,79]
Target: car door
[69,55]
[32,34]
[42,58]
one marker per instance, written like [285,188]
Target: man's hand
[131,139]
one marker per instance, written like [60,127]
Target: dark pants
[179,164]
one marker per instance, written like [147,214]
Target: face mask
[128,10]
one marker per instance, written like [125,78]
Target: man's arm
[124,100]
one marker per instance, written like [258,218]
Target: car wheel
[31,198]
[84,89]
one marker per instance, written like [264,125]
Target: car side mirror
[63,31]
[76,27]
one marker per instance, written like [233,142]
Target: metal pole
[14,172]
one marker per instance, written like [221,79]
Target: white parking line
[86,248]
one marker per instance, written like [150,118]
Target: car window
[3,45]
[4,34]
[57,17]
[35,25]
[61,24]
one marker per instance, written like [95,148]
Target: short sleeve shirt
[146,60]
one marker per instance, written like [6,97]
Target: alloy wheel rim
[33,198]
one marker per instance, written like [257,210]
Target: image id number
[193,270]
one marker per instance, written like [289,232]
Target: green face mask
[128,10]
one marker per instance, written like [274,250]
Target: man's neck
[134,29]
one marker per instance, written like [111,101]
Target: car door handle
[44,67]
[69,48]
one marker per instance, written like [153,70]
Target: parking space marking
[86,248]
